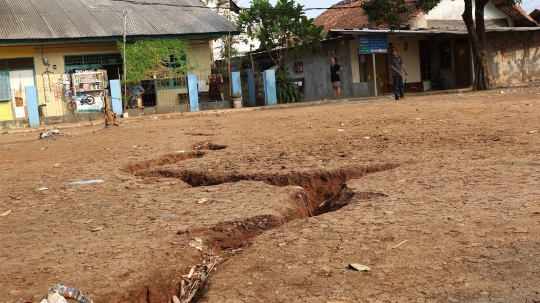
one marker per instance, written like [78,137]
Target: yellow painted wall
[7,52]
[201,57]
[411,57]
[170,97]
[16,52]
[6,111]
[355,63]
[56,54]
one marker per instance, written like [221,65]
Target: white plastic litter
[85,182]
[54,297]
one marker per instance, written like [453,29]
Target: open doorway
[381,65]
[462,63]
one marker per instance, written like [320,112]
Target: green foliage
[162,59]
[287,91]
[236,58]
[281,27]
[390,12]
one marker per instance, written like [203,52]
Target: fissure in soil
[323,192]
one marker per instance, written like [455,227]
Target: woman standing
[214,87]
[335,69]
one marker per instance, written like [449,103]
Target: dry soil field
[438,195]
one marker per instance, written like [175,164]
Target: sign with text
[372,44]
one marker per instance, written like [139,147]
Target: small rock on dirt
[484,293]
[453,300]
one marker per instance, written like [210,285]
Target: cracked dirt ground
[453,179]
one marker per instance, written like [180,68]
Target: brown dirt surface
[437,194]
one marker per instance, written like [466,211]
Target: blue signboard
[373,44]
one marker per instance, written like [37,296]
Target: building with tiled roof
[434,46]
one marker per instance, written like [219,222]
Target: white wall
[241,47]
[453,9]
[411,56]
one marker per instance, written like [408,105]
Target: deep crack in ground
[322,192]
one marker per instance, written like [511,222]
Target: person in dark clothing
[396,63]
[214,87]
[335,79]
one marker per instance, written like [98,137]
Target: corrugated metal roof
[64,19]
[60,25]
[51,8]
[112,28]
[21,6]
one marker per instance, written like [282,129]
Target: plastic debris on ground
[197,244]
[359,267]
[58,293]
[49,133]
[85,182]
[168,217]
[97,229]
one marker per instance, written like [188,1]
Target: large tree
[390,12]
[281,28]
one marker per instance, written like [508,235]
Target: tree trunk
[477,36]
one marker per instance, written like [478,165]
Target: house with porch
[43,41]
[433,45]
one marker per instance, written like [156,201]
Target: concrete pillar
[252,91]
[33,105]
[270,93]
[236,83]
[375,75]
[193,93]
[116,97]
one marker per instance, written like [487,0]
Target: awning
[432,31]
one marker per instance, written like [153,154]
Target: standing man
[396,63]
[335,69]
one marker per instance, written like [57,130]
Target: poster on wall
[84,107]
[373,44]
[48,82]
